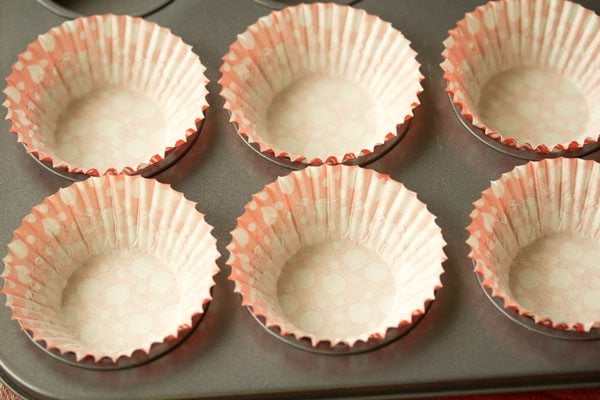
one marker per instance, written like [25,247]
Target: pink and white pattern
[535,241]
[526,72]
[109,266]
[336,254]
[320,83]
[106,94]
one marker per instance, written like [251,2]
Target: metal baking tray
[464,344]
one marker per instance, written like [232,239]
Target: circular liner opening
[342,349]
[279,4]
[150,171]
[519,153]
[361,161]
[525,73]
[79,86]
[533,238]
[532,326]
[77,8]
[340,258]
[138,358]
[327,90]
[112,266]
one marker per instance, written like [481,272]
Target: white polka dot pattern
[535,106]
[534,240]
[318,115]
[122,126]
[526,72]
[344,277]
[99,311]
[111,265]
[557,276]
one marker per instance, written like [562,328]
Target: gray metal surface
[463,343]
[76,8]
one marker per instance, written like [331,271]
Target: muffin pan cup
[534,237]
[77,8]
[320,84]
[515,152]
[279,4]
[171,158]
[378,151]
[110,267]
[337,256]
[76,89]
[526,73]
[533,327]
[343,349]
[137,358]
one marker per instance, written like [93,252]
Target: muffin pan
[462,344]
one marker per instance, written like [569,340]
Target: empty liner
[527,73]
[106,94]
[535,241]
[109,266]
[320,83]
[336,255]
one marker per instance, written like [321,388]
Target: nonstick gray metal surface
[463,344]
[77,8]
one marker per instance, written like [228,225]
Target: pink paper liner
[525,196]
[261,38]
[368,207]
[62,41]
[114,212]
[463,44]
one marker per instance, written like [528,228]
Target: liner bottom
[319,115]
[534,105]
[90,130]
[558,276]
[120,299]
[337,288]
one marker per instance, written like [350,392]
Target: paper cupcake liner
[535,242]
[336,255]
[526,73]
[320,83]
[110,266]
[105,94]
